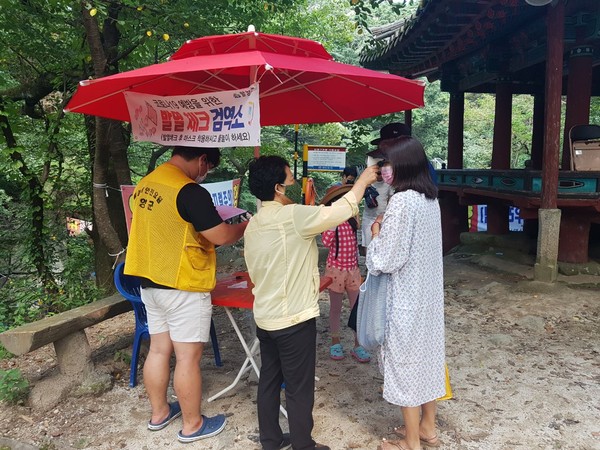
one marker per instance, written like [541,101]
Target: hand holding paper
[228,212]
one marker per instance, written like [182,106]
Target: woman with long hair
[407,244]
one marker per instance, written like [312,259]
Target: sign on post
[325,158]
[321,158]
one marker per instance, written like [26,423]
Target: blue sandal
[360,354]
[174,413]
[211,426]
[336,352]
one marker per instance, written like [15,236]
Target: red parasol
[298,81]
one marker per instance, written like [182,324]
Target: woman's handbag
[371,311]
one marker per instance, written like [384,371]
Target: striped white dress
[409,247]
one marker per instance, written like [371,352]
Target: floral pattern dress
[409,248]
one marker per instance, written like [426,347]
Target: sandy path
[524,363]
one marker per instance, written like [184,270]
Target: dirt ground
[524,362]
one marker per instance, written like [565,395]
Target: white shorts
[185,315]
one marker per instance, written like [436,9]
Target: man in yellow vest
[174,230]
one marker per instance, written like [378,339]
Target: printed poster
[216,119]
[325,158]
[478,218]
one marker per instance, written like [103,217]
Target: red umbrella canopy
[243,42]
[298,81]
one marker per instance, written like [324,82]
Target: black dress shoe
[285,442]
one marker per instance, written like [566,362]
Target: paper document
[240,285]
[227,212]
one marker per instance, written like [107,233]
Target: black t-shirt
[195,206]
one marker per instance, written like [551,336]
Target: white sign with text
[216,119]
[325,158]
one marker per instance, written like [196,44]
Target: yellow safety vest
[162,246]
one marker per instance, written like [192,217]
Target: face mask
[200,178]
[285,200]
[387,174]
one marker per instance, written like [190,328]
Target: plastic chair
[582,134]
[129,287]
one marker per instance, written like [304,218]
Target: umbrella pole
[304,172]
[296,151]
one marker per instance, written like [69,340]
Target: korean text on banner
[216,119]
[224,192]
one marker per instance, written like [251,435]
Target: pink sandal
[360,354]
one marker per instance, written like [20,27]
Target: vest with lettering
[162,246]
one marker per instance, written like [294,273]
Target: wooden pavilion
[546,48]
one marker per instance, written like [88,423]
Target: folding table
[235,291]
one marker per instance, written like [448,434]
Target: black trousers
[289,356]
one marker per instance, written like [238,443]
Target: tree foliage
[57,165]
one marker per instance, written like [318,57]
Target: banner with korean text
[216,119]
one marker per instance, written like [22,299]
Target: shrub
[24,299]
[13,387]
[5,354]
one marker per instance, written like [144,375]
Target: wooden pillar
[546,267]
[537,138]
[454,215]
[497,213]
[454,220]
[574,237]
[579,92]
[456,128]
[502,125]
[530,225]
[554,71]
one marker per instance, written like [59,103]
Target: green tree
[57,165]
[430,124]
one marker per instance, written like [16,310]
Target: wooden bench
[73,352]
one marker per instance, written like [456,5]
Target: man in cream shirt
[281,255]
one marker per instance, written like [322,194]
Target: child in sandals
[342,268]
